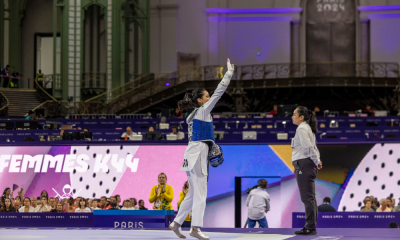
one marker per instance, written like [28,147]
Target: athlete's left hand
[231,67]
[319,167]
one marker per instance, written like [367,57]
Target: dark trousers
[5,82]
[306,172]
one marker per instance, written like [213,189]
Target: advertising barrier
[348,219]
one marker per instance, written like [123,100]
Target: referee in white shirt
[306,162]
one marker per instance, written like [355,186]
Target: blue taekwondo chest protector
[204,132]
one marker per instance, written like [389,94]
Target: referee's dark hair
[262,183]
[393,225]
[327,200]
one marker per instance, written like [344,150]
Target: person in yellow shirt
[182,195]
[162,194]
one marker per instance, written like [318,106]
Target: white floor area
[125,234]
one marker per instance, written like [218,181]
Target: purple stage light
[167,84]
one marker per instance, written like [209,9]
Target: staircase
[20,101]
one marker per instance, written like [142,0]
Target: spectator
[182,195]
[178,113]
[175,131]
[368,199]
[258,202]
[53,203]
[134,203]
[383,207]
[6,194]
[15,76]
[367,207]
[17,204]
[34,204]
[162,194]
[44,193]
[82,206]
[128,134]
[18,198]
[389,203]
[30,115]
[397,208]
[40,77]
[393,203]
[375,204]
[163,119]
[94,205]
[317,111]
[274,110]
[118,198]
[6,76]
[86,129]
[141,205]
[393,225]
[114,198]
[151,129]
[58,209]
[127,205]
[89,201]
[62,132]
[44,207]
[8,206]
[76,203]
[27,206]
[326,206]
[70,205]
[113,204]
[103,203]
[40,127]
[368,110]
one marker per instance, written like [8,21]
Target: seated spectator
[368,199]
[178,113]
[175,131]
[86,129]
[383,207]
[113,205]
[118,197]
[151,129]
[375,204]
[114,198]
[326,206]
[36,119]
[34,204]
[17,205]
[44,207]
[274,110]
[70,205]
[318,112]
[128,134]
[134,203]
[368,110]
[82,206]
[367,207]
[77,200]
[62,132]
[393,225]
[94,205]
[58,209]
[53,203]
[27,206]
[8,206]
[30,115]
[389,203]
[162,194]
[103,203]
[127,205]
[6,194]
[397,208]
[90,201]
[18,198]
[182,195]
[141,205]
[163,119]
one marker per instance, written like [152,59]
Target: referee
[306,162]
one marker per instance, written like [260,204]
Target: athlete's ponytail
[190,100]
[310,117]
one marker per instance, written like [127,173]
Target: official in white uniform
[196,155]
[306,162]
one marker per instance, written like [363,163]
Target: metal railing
[3,105]
[108,96]
[94,80]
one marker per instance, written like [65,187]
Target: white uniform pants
[195,200]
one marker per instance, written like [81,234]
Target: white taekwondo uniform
[195,160]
